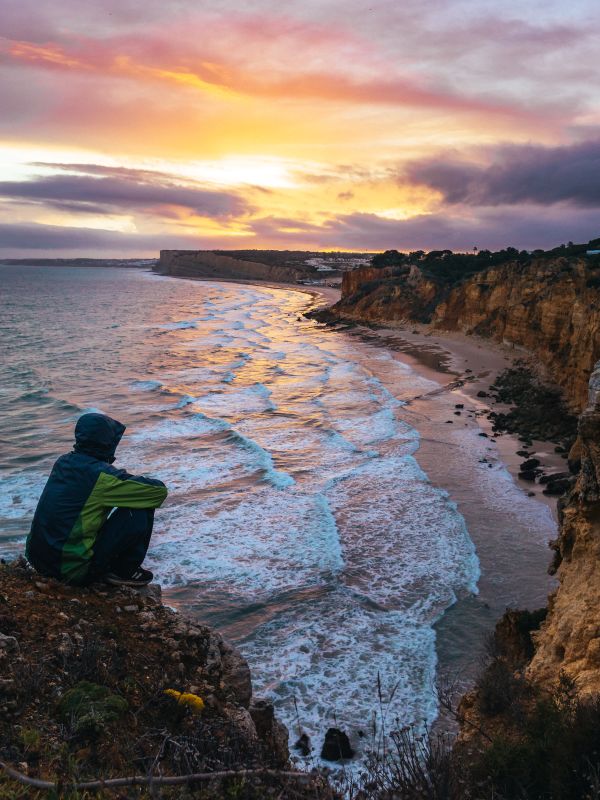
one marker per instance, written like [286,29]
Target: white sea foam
[325,657]
[266,542]
[177,326]
[294,497]
[146,386]
[19,494]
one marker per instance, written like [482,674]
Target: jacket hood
[98,435]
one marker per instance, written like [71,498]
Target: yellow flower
[191,701]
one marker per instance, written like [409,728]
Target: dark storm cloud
[517,174]
[28,237]
[522,227]
[122,190]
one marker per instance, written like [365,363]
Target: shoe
[141,577]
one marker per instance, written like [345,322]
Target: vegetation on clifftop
[450,268]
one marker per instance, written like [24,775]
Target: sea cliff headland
[548,306]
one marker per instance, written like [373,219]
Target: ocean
[300,521]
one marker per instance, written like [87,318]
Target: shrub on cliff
[555,753]
[390,258]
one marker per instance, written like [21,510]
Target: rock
[458,413]
[263,714]
[152,591]
[302,744]
[459,405]
[130,608]
[336,746]
[481,393]
[66,646]
[483,433]
[236,673]
[242,721]
[555,476]
[512,635]
[527,475]
[213,654]
[523,453]
[530,494]
[8,645]
[449,422]
[531,463]
[574,457]
[557,488]
[272,732]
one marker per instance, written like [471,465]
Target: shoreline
[513,566]
[478,473]
[471,361]
[463,366]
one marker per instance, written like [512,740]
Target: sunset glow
[129,126]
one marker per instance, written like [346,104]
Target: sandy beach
[463,366]
[459,453]
[510,525]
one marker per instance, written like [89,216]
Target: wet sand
[510,528]
[463,366]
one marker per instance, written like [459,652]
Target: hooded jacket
[81,491]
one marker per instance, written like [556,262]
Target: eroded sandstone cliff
[207,264]
[569,639]
[549,307]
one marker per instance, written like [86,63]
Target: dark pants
[122,542]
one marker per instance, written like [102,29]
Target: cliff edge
[549,307]
[218,266]
[101,683]
[568,642]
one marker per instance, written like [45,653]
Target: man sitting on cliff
[74,536]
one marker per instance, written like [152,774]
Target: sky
[127,126]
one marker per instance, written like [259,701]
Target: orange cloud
[48,54]
[222,79]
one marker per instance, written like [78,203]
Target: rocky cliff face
[391,294]
[101,682]
[206,264]
[569,639]
[551,308]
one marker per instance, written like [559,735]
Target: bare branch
[163,780]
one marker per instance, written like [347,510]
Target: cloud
[114,189]
[256,67]
[516,174]
[524,227]
[54,240]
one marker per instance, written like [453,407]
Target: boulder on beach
[531,463]
[336,746]
[558,487]
[527,475]
[555,476]
[302,744]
